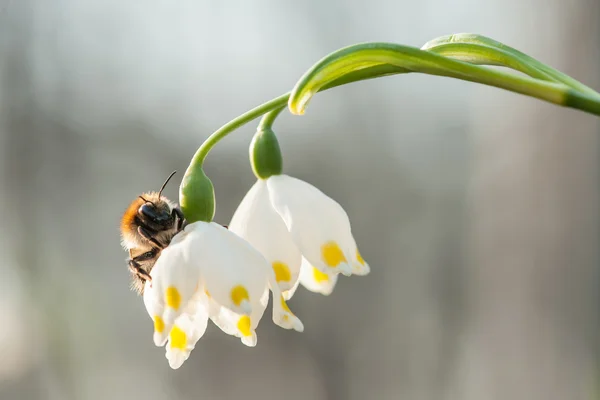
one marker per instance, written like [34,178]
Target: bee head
[157,212]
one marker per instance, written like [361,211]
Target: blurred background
[476,208]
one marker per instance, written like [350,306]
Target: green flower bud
[197,196]
[265,154]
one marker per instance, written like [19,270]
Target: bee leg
[137,269]
[178,215]
[145,233]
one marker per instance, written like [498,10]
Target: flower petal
[241,326]
[319,225]
[233,273]
[189,327]
[288,294]
[155,307]
[257,222]
[315,280]
[359,265]
[282,315]
[174,281]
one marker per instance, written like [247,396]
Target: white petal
[288,294]
[233,273]
[282,315]
[174,281]
[187,330]
[319,225]
[257,222]
[155,308]
[241,326]
[359,265]
[197,311]
[316,280]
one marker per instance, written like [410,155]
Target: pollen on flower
[320,276]
[172,297]
[207,293]
[239,294]
[243,325]
[332,254]
[159,324]
[359,258]
[282,272]
[178,338]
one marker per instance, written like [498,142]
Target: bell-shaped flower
[304,234]
[210,272]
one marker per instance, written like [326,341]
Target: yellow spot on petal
[159,324]
[239,294]
[243,325]
[359,257]
[284,305]
[207,293]
[332,254]
[178,338]
[173,298]
[320,276]
[282,272]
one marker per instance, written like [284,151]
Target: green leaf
[368,56]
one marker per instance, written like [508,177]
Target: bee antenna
[165,184]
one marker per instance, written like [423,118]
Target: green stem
[280,103]
[474,49]
[361,56]
[212,140]
[368,73]
[269,118]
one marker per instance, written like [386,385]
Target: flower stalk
[265,153]
[460,56]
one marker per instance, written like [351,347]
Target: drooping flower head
[284,233]
[304,234]
[210,272]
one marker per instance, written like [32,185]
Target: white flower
[304,234]
[210,272]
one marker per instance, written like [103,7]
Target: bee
[147,227]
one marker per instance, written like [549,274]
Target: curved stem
[212,140]
[378,71]
[361,56]
[474,49]
[280,102]
[269,118]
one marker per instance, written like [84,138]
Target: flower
[304,234]
[210,272]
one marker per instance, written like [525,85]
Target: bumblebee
[147,227]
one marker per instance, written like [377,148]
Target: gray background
[476,208]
